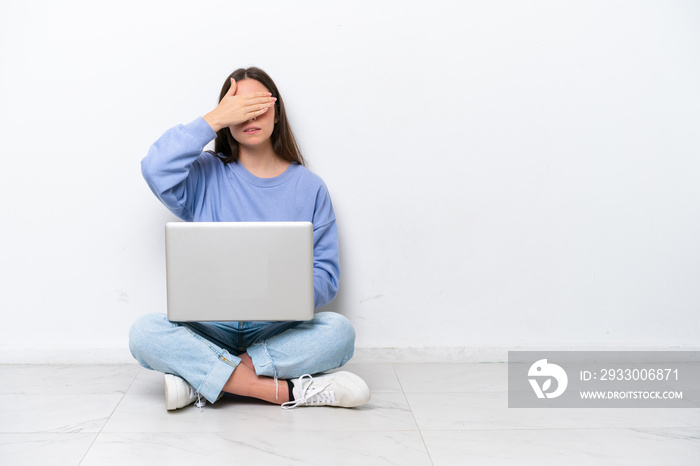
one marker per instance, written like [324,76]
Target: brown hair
[282,138]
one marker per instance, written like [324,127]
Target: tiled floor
[420,414]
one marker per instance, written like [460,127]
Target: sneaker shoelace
[200,403]
[311,396]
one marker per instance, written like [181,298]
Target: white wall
[505,174]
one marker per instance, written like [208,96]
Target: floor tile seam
[47,433]
[444,363]
[262,431]
[44,434]
[538,429]
[86,431]
[408,403]
[505,429]
[136,374]
[249,431]
[456,392]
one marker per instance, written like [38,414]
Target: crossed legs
[206,358]
[245,382]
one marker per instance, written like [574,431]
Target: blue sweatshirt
[197,186]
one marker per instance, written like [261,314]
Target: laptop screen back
[239,271]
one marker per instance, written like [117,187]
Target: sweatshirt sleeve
[326,261]
[171,170]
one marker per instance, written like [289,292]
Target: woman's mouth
[252,130]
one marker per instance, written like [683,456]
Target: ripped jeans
[205,354]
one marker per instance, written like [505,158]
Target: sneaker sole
[172,392]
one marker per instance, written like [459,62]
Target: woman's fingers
[258,98]
[257,110]
[256,105]
[249,100]
[234,109]
[257,113]
[232,89]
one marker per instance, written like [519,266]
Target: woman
[256,174]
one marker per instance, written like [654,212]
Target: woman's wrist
[213,121]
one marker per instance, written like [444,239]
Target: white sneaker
[342,389]
[179,393]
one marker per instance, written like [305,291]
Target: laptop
[239,271]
